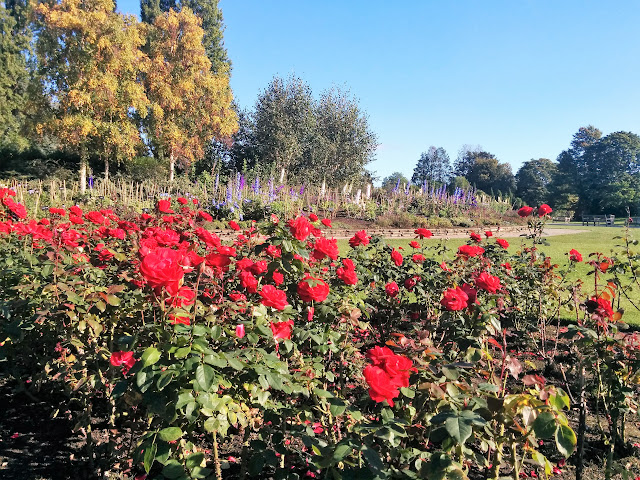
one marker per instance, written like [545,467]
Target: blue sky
[516,77]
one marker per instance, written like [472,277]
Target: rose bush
[271,344]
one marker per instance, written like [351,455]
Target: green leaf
[149,457]
[322,393]
[458,429]
[173,469]
[194,460]
[164,380]
[47,270]
[566,440]
[204,376]
[113,300]
[560,400]
[341,451]
[170,434]
[150,356]
[182,352]
[544,426]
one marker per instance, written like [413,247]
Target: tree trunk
[83,175]
[172,167]
[106,170]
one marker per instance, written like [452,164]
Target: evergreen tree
[433,166]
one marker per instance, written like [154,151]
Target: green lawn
[596,239]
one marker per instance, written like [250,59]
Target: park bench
[608,220]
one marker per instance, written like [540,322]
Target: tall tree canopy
[533,180]
[433,166]
[190,105]
[212,24]
[90,59]
[328,139]
[484,171]
[14,74]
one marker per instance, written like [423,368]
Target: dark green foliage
[433,166]
[485,172]
[533,180]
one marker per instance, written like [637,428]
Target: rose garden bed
[169,350]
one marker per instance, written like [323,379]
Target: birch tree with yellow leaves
[190,105]
[90,64]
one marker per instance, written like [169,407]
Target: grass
[594,239]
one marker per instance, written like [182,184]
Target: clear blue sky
[516,77]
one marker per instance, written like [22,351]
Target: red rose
[240,331]
[392,289]
[244,264]
[162,268]
[313,217]
[126,359]
[217,260]
[475,237]
[411,282]
[205,216]
[348,264]
[454,299]
[444,267]
[273,251]
[575,256]
[249,282]
[471,293]
[278,278]
[57,211]
[182,201]
[272,297]
[396,256]
[164,206]
[233,225]
[282,329]
[312,289]
[300,228]
[259,267]
[325,247]
[423,233]
[76,210]
[487,282]
[525,211]
[488,234]
[417,258]
[347,275]
[185,296]
[544,209]
[360,238]
[470,250]
[17,209]
[381,387]
[414,244]
[96,217]
[326,222]
[503,243]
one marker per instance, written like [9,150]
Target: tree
[484,171]
[190,105]
[396,179]
[14,75]
[284,125]
[343,142]
[212,24]
[89,59]
[534,179]
[433,166]
[611,179]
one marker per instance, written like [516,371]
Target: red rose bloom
[396,256]
[470,250]
[381,387]
[312,289]
[487,282]
[217,260]
[525,211]
[164,206]
[282,329]
[273,251]
[488,233]
[502,242]
[300,228]
[347,275]
[278,278]
[205,216]
[454,299]
[325,247]
[126,359]
[249,282]
[544,209]
[17,209]
[423,233]
[392,289]
[326,222]
[57,211]
[233,225]
[184,297]
[272,297]
[313,217]
[360,238]
[162,268]
[575,256]
[259,267]
[96,217]
[76,210]
[418,258]
[471,293]
[475,237]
